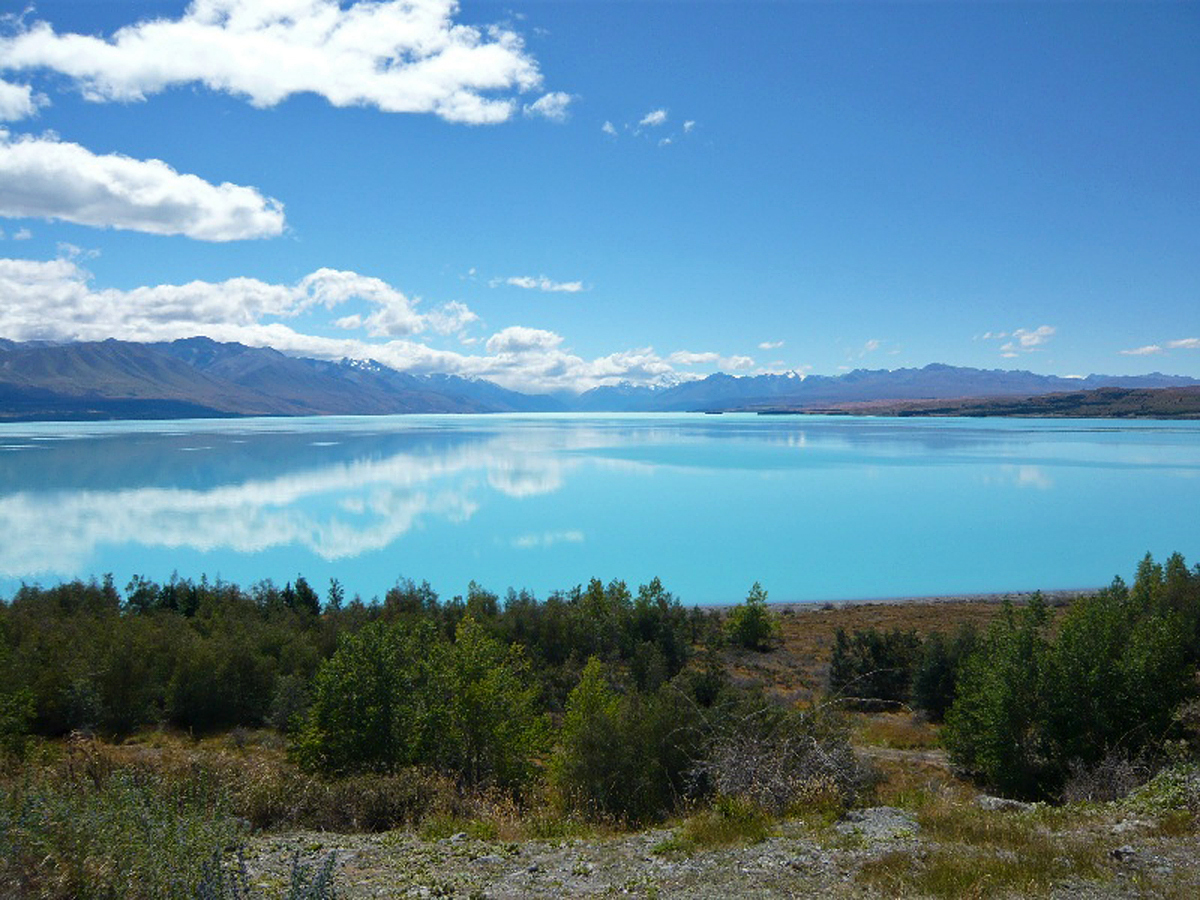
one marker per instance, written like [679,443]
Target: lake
[814,508]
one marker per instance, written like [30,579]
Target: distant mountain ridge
[936,381]
[200,377]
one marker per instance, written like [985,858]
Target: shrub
[116,836]
[729,821]
[1029,708]
[366,713]
[625,757]
[396,695]
[993,727]
[778,759]
[874,669]
[935,681]
[752,625]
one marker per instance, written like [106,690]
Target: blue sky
[557,195]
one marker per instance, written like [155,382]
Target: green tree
[626,756]
[492,726]
[935,681]
[874,667]
[994,727]
[752,624]
[368,710]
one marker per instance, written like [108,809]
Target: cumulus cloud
[609,129]
[1021,340]
[689,125]
[56,300]
[18,101]
[654,118]
[519,339]
[1038,336]
[1185,344]
[687,358]
[396,55]
[552,106]
[541,283]
[451,318]
[770,345]
[1148,350]
[43,177]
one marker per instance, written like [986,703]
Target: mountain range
[199,377]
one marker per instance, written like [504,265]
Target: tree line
[613,698]
[617,700]
[1038,699]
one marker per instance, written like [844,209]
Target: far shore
[1054,598]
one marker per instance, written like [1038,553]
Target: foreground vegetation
[148,734]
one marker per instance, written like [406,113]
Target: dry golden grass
[895,730]
[798,669]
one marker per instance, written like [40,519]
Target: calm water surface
[815,508]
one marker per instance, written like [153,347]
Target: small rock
[487,860]
[1001,804]
[1123,854]
[878,823]
[457,838]
[1129,825]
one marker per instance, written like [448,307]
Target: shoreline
[1058,597]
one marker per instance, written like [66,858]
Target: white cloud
[1151,349]
[609,129]
[395,55]
[541,283]
[533,540]
[686,358]
[654,119]
[1025,340]
[18,101]
[47,178]
[689,125]
[770,345]
[552,106]
[451,318]
[1034,338]
[55,300]
[519,339]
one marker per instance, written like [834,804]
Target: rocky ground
[870,852]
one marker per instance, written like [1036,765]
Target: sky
[562,195]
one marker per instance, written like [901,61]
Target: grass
[971,852]
[121,836]
[728,822]
[896,731]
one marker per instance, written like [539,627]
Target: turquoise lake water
[814,508]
